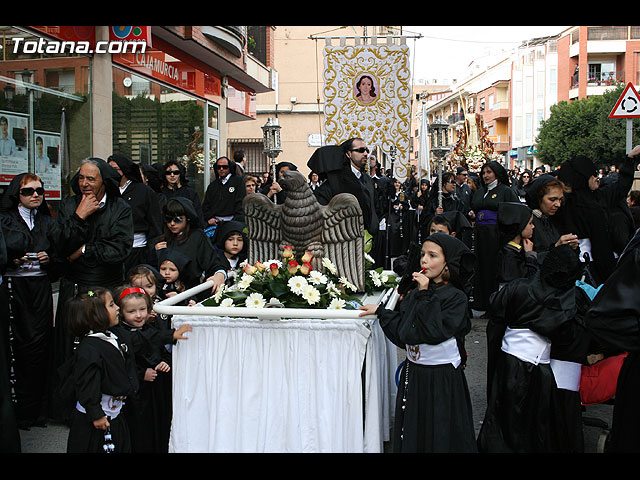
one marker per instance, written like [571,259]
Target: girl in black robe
[516,257]
[433,406]
[526,317]
[191,241]
[104,375]
[494,189]
[27,285]
[149,411]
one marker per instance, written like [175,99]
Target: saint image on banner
[366,88]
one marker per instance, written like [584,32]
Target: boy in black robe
[516,257]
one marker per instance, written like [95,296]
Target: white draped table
[253,385]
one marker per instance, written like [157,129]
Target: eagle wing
[262,218]
[343,237]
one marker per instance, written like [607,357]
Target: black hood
[459,258]
[328,158]
[189,209]
[577,171]
[128,167]
[110,178]
[531,196]
[12,199]
[180,260]
[501,173]
[512,218]
[226,229]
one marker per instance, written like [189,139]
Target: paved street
[53,438]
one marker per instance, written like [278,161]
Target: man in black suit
[351,177]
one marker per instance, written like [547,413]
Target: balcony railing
[600,79]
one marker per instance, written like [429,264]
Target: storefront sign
[130,33]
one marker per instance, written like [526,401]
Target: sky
[444,52]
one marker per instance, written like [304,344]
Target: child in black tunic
[149,412]
[433,406]
[104,376]
[516,257]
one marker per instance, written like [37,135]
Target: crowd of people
[527,249]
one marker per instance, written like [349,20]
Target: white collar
[103,202]
[28,215]
[225,179]
[355,171]
[492,185]
[124,187]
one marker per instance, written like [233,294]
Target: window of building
[154,123]
[46,116]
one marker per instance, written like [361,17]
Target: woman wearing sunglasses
[175,184]
[182,232]
[26,225]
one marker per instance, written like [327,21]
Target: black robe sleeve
[429,316]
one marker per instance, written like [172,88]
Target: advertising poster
[47,162]
[14,145]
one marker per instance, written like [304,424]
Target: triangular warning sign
[628,105]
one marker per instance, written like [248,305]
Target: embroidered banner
[368,95]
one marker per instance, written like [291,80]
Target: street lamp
[439,148]
[271,144]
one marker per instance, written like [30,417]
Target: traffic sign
[628,105]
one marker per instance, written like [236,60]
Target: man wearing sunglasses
[223,198]
[350,176]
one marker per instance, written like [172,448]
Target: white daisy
[255,300]
[332,289]
[310,294]
[245,281]
[347,284]
[317,278]
[296,284]
[218,295]
[329,265]
[336,304]
[226,303]
[375,276]
[384,278]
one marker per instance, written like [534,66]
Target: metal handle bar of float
[168,307]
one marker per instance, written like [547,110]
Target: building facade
[73,92]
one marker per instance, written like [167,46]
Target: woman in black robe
[9,434]
[494,189]
[546,197]
[527,316]
[175,184]
[520,184]
[433,406]
[145,208]
[191,241]
[31,269]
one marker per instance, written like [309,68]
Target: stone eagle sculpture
[334,231]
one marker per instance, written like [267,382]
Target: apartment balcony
[597,83]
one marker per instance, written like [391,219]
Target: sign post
[627,106]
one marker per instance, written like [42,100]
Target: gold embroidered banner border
[382,118]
